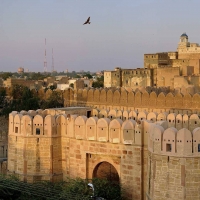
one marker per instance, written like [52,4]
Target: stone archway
[105,170]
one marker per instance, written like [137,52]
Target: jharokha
[148,139]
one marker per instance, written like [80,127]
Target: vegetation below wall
[77,189]
[99,82]
[25,99]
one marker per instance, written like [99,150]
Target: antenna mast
[52,61]
[45,58]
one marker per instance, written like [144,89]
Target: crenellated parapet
[173,162]
[173,142]
[128,98]
[73,126]
[54,122]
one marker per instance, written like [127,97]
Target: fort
[154,155]
[146,136]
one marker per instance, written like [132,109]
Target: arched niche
[196,141]
[116,97]
[171,118]
[133,115]
[61,124]
[157,138]
[103,96]
[79,95]
[91,128]
[49,126]
[185,121]
[119,114]
[11,122]
[128,132]
[103,113]
[27,125]
[131,99]
[115,131]
[112,114]
[196,101]
[138,99]
[23,112]
[184,142]
[109,97]
[85,95]
[162,116]
[194,122]
[145,99]
[17,124]
[152,116]
[179,121]
[32,113]
[71,125]
[187,101]
[178,100]
[95,112]
[96,96]
[80,122]
[153,100]
[169,100]
[123,97]
[125,115]
[169,140]
[102,129]
[161,100]
[142,115]
[91,96]
[138,132]
[39,111]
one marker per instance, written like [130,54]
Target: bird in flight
[87,21]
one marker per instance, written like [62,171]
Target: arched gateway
[105,170]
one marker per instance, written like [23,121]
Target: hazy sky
[120,33]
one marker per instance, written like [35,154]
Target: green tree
[6,75]
[2,97]
[37,76]
[23,99]
[54,101]
[99,82]
[87,75]
[51,87]
[17,91]
[77,76]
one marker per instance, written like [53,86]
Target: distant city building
[9,82]
[20,70]
[65,83]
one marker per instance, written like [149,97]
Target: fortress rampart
[139,100]
[151,152]
[173,163]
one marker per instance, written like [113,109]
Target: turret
[183,43]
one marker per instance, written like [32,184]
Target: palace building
[181,67]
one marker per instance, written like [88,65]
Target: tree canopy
[25,99]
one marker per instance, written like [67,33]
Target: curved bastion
[173,163]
